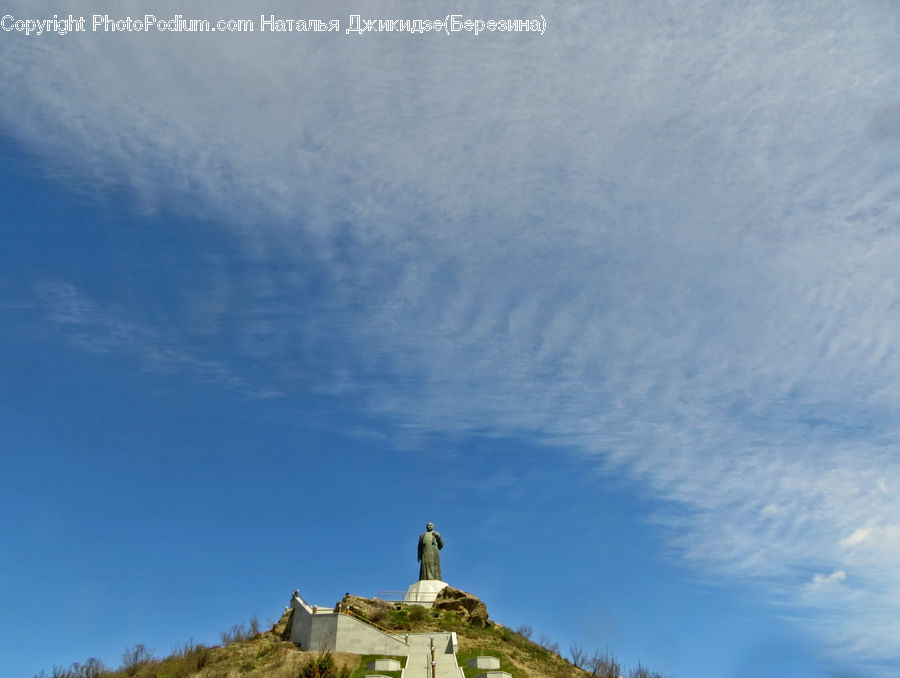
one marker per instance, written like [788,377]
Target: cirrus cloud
[665,237]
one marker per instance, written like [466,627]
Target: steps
[419,663]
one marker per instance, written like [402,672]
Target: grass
[407,618]
[364,662]
[505,665]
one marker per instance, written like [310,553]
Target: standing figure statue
[430,543]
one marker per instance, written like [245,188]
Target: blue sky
[615,307]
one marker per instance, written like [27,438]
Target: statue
[430,543]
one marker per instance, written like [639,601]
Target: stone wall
[358,637]
[324,629]
[313,629]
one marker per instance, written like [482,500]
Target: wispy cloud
[666,238]
[110,330]
[858,537]
[821,581]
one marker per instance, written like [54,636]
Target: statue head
[429,527]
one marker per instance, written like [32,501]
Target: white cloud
[858,537]
[668,240]
[821,581]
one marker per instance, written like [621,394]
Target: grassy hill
[251,653]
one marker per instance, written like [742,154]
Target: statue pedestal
[424,591]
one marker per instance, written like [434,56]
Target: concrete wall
[300,623]
[358,637]
[313,631]
[325,629]
[443,642]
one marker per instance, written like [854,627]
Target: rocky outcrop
[373,609]
[464,604]
[282,628]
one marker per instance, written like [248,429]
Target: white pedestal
[424,592]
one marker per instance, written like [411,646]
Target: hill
[251,653]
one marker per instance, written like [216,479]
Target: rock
[282,628]
[373,609]
[464,604]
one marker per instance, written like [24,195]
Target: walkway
[419,663]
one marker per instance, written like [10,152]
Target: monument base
[424,591]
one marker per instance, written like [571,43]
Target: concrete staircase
[419,663]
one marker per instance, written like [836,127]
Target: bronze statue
[430,543]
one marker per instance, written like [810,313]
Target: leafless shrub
[643,672]
[193,655]
[92,668]
[135,657]
[525,631]
[604,665]
[579,656]
[547,644]
[238,633]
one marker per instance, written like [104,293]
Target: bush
[92,668]
[642,672]
[549,645]
[398,620]
[322,665]
[604,665]
[525,631]
[193,655]
[579,656]
[238,633]
[136,657]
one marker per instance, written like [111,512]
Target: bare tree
[135,657]
[604,665]
[92,668]
[579,656]
[643,672]
[525,631]
[238,633]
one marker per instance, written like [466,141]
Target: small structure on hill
[351,626]
[318,628]
[347,628]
